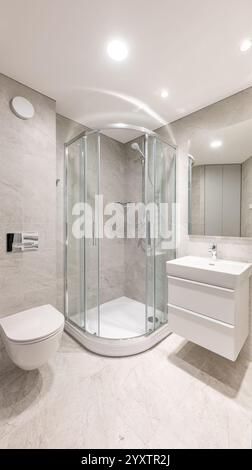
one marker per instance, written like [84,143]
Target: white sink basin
[223,273]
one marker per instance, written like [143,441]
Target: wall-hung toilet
[32,336]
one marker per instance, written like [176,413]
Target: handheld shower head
[136,147]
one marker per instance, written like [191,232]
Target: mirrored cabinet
[220,183]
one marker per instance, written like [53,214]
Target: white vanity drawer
[208,333]
[208,300]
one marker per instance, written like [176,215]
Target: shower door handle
[148,233]
[93,233]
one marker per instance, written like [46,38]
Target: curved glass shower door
[160,196]
[74,275]
[82,247]
[116,286]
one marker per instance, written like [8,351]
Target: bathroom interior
[126,225]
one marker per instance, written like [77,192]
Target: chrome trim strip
[98,239]
[140,129]
[146,171]
[66,230]
[84,298]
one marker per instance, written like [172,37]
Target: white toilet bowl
[32,336]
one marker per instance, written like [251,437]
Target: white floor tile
[168,397]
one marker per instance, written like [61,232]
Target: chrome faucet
[213,250]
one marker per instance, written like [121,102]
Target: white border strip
[117,347]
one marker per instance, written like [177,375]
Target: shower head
[136,147]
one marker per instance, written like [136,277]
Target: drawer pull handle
[211,286]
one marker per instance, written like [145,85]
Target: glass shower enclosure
[120,210]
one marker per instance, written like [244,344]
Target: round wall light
[21,107]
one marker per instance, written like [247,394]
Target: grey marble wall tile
[135,255]
[28,198]
[112,252]
[111,283]
[38,193]
[135,270]
[11,209]
[44,276]
[45,295]
[112,171]
[60,294]
[112,256]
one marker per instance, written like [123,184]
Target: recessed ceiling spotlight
[117,50]
[215,144]
[245,45]
[164,94]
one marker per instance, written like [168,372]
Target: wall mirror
[220,182]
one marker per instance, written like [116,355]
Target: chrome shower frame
[100,345]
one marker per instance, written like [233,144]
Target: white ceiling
[189,47]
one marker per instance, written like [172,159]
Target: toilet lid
[33,324]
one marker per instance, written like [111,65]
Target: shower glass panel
[161,197]
[74,297]
[165,197]
[82,255]
[150,239]
[91,242]
[116,288]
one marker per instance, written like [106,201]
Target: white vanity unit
[208,302]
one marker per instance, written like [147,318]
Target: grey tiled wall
[27,199]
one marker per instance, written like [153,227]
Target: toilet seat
[32,325]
